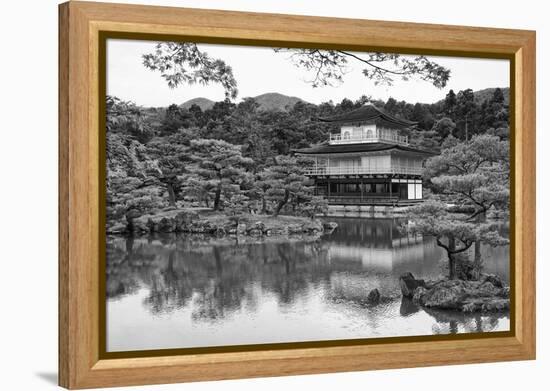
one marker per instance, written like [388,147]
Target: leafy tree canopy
[328,67]
[185,63]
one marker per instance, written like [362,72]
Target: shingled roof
[325,148]
[369,113]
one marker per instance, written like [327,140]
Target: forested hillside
[271,101]
[203,103]
[240,155]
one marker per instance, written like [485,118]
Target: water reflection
[191,290]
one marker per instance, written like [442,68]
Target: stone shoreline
[215,223]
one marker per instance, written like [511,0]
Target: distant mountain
[487,93]
[203,103]
[272,101]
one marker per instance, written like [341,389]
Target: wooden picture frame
[81,364]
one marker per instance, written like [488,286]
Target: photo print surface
[260,195]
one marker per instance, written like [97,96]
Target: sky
[260,70]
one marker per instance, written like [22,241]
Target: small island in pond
[206,221]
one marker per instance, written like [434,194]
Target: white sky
[261,70]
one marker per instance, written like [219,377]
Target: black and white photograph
[266,195]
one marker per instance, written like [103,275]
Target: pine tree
[221,164]
[454,234]
[174,119]
[169,159]
[449,105]
[466,113]
[287,182]
[473,174]
[444,127]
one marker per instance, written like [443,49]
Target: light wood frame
[80,23]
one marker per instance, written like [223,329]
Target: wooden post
[390,190]
[361,184]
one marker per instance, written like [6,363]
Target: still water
[179,291]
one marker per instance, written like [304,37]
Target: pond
[181,291]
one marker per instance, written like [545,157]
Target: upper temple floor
[369,143]
[368,124]
[371,133]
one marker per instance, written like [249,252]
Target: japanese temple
[369,162]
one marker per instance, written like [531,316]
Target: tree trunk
[218,260]
[450,255]
[281,203]
[451,250]
[264,206]
[171,258]
[171,194]
[218,196]
[129,248]
[453,326]
[130,244]
[477,260]
[481,218]
[130,215]
[284,251]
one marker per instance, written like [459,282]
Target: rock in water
[445,296]
[373,297]
[118,228]
[258,225]
[493,279]
[466,296]
[408,284]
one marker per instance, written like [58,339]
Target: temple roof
[369,113]
[325,148]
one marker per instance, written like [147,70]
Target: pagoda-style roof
[372,114]
[326,149]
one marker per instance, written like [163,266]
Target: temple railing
[358,170]
[357,200]
[363,138]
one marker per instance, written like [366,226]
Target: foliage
[159,157]
[454,233]
[474,174]
[444,127]
[169,158]
[152,148]
[219,164]
[185,63]
[328,67]
[130,196]
[175,119]
[288,185]
[259,189]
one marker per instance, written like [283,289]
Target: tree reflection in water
[217,276]
[216,279]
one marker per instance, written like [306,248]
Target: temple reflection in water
[379,246]
[198,290]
